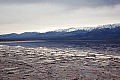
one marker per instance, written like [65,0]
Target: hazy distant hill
[105,32]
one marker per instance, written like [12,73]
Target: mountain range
[104,32]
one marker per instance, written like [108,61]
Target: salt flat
[20,63]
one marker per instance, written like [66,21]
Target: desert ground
[20,63]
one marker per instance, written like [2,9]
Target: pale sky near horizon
[17,16]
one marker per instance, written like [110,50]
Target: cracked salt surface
[18,63]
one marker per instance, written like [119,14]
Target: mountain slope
[105,32]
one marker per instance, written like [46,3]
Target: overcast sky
[18,16]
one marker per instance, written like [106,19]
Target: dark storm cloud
[73,3]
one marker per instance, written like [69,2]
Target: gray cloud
[45,15]
[72,3]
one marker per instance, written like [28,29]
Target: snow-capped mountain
[75,29]
[110,26]
[104,32]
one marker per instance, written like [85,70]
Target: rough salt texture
[19,63]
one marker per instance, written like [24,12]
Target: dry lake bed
[41,63]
